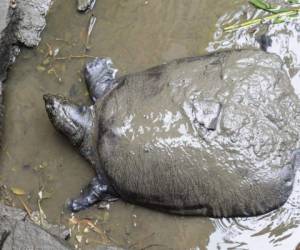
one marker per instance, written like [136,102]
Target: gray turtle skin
[211,135]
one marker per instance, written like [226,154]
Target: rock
[84,5]
[1,110]
[7,21]
[31,21]
[17,232]
[59,231]
[12,212]
[23,24]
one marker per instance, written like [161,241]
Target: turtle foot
[96,191]
[100,77]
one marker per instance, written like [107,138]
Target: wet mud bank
[21,24]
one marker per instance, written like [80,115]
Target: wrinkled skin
[211,135]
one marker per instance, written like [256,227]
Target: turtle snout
[56,110]
[49,104]
[67,117]
[50,101]
[55,105]
[48,98]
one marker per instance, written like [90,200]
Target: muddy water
[135,34]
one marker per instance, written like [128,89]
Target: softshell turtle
[210,135]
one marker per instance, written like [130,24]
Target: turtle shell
[210,135]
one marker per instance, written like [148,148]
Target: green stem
[261,20]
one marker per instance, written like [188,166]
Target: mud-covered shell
[209,135]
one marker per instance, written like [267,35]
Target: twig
[27,209]
[62,40]
[75,57]
[89,32]
[52,70]
[113,240]
[87,222]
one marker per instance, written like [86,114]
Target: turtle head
[74,121]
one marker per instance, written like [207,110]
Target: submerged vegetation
[278,14]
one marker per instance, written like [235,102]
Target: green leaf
[260,4]
[294,1]
[277,17]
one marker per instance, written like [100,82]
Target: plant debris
[75,57]
[17,191]
[89,32]
[278,15]
[26,207]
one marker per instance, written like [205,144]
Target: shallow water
[136,35]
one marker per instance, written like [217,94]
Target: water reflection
[276,230]
[279,229]
[284,39]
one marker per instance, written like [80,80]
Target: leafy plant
[278,14]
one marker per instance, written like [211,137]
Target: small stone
[84,5]
[79,238]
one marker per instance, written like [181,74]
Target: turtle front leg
[97,190]
[100,77]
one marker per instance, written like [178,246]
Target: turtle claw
[74,206]
[96,191]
